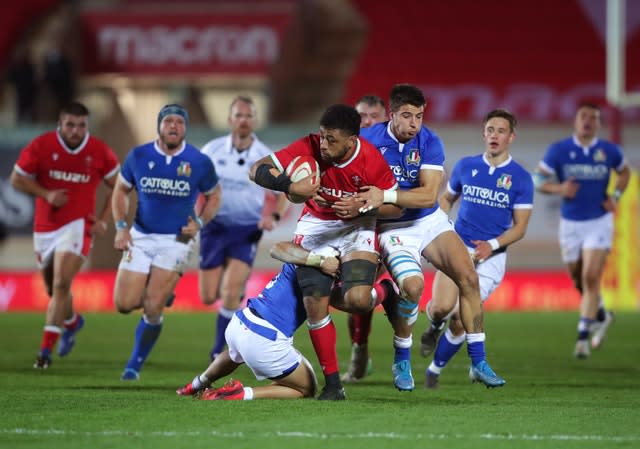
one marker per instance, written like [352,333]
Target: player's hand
[348,207]
[99,227]
[569,188]
[482,251]
[330,265]
[305,187]
[372,196]
[267,223]
[123,240]
[191,229]
[57,197]
[320,201]
[610,204]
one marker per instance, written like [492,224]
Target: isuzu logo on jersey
[336,193]
[79,178]
[413,158]
[488,197]
[504,181]
[165,186]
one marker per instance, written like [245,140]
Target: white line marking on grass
[322,436]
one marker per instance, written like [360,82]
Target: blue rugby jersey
[424,151]
[488,196]
[280,302]
[590,166]
[242,199]
[167,186]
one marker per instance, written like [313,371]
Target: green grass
[551,400]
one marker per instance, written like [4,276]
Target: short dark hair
[342,117]
[371,100]
[588,104]
[502,113]
[75,108]
[402,94]
[243,99]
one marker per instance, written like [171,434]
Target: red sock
[324,343]
[72,323]
[361,327]
[50,338]
[381,293]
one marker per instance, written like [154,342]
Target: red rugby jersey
[366,167]
[53,165]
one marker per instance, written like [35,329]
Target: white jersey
[242,199]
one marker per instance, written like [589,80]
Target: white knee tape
[402,265]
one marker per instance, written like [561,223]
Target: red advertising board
[92,292]
[170,43]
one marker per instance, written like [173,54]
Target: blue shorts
[219,242]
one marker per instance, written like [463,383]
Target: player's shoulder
[215,144]
[44,140]
[562,144]
[374,132]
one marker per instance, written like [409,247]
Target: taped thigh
[402,265]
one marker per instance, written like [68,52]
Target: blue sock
[146,336]
[224,317]
[447,347]
[402,348]
[475,347]
[583,328]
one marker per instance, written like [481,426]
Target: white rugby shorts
[346,236]
[412,236]
[159,250]
[72,237]
[267,351]
[574,236]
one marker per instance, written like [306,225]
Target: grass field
[550,401]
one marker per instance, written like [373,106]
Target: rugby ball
[299,168]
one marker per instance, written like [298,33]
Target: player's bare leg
[64,268]
[593,261]
[448,254]
[444,299]
[232,285]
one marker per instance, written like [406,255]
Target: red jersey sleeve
[301,147]
[27,162]
[111,163]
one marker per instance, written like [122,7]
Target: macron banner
[182,43]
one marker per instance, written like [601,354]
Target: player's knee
[61,284]
[121,306]
[358,299]
[412,288]
[590,280]
[468,281]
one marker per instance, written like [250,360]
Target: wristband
[121,224]
[389,196]
[314,260]
[617,193]
[494,244]
[276,216]
[200,222]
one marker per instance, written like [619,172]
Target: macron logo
[474,172]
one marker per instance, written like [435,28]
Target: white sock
[248,394]
[200,381]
